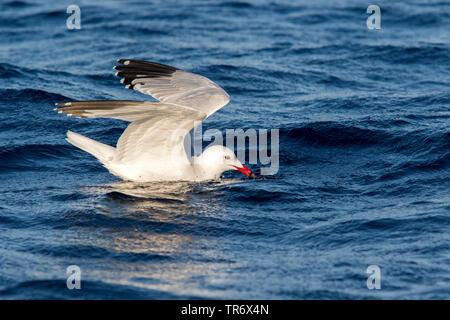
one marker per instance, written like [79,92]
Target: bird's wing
[122,110]
[156,133]
[158,140]
[172,85]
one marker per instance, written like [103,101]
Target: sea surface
[364,161]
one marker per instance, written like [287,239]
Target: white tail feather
[101,151]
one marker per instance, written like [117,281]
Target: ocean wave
[29,95]
[30,157]
[25,74]
[387,133]
[94,252]
[235,4]
[45,289]
[410,167]
[17,4]
[332,134]
[427,53]
[344,233]
[131,30]
[420,143]
[432,54]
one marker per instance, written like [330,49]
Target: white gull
[152,146]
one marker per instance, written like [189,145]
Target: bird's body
[152,146]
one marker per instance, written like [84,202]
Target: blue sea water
[364,152]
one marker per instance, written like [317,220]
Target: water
[364,153]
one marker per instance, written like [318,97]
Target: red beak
[245,171]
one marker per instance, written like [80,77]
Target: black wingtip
[131,71]
[124,61]
[146,64]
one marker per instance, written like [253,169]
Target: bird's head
[220,159]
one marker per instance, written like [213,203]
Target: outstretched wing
[157,130]
[172,85]
[156,133]
[158,139]
[124,110]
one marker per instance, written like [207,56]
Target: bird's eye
[227,157]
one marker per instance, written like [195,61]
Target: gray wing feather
[172,85]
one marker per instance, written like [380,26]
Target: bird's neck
[207,168]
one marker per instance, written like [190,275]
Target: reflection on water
[176,190]
[156,235]
[156,190]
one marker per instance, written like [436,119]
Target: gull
[152,146]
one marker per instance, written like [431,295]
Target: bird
[152,146]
